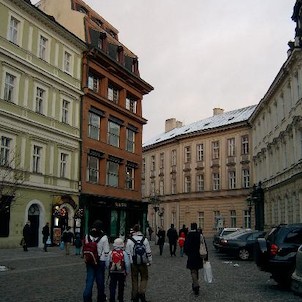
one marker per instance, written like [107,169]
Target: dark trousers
[117,280]
[172,248]
[161,247]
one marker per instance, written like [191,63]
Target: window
[153,163]
[144,166]
[215,150]
[245,178]
[200,183]
[200,220]
[161,187]
[217,219]
[231,146]
[13,30]
[162,160]
[199,152]
[232,179]
[93,82]
[43,48]
[93,169]
[130,178]
[112,174]
[244,145]
[173,158]
[113,134]
[131,104]
[65,111]
[187,154]
[113,94]
[216,181]
[67,62]
[246,219]
[63,165]
[173,186]
[233,219]
[40,99]
[37,153]
[130,137]
[5,151]
[187,184]
[94,122]
[9,87]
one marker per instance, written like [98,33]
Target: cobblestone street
[53,276]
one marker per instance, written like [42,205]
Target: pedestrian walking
[27,235]
[97,245]
[78,243]
[118,264]
[139,251]
[172,236]
[181,243]
[195,261]
[67,238]
[150,232]
[161,234]
[184,229]
[45,233]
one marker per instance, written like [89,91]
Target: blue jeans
[96,273]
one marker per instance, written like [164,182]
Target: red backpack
[90,251]
[117,263]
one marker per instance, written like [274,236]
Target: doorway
[34,218]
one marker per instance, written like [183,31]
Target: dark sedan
[241,246]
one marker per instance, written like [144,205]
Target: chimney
[171,124]
[217,111]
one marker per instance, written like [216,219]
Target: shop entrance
[34,218]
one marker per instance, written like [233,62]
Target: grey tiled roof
[216,121]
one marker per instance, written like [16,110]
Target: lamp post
[155,201]
[256,199]
[250,205]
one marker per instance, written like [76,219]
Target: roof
[216,121]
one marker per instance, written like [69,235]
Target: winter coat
[161,234]
[191,249]
[172,235]
[182,239]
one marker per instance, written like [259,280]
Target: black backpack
[139,251]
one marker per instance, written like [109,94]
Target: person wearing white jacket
[139,268]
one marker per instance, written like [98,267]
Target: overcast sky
[201,54]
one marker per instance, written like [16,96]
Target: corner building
[200,173]
[277,138]
[112,120]
[40,101]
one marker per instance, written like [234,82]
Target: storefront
[117,215]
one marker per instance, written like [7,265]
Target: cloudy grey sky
[201,54]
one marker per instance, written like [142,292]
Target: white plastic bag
[207,272]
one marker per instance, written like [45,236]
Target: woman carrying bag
[195,260]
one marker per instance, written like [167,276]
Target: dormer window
[101,41]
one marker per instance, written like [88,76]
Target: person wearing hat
[97,272]
[118,264]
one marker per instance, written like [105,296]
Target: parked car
[221,233]
[276,253]
[241,245]
[226,235]
[296,285]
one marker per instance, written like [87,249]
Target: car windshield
[237,233]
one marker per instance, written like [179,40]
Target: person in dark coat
[161,234]
[27,236]
[195,261]
[184,230]
[172,236]
[45,233]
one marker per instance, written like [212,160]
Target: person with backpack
[139,251]
[118,264]
[95,252]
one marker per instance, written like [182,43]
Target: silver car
[296,284]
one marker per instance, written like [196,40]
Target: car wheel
[244,254]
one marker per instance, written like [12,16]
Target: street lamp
[155,201]
[249,201]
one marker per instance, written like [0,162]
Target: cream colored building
[277,144]
[200,173]
[40,102]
